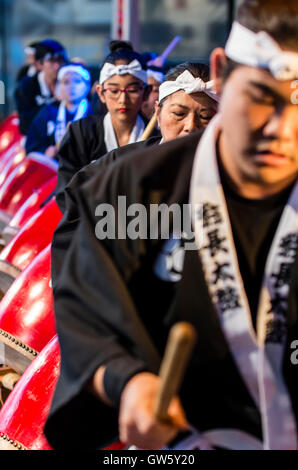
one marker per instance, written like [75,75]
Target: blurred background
[85,27]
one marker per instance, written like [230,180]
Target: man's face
[30,58]
[259,136]
[50,67]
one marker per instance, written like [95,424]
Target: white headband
[186,81]
[133,68]
[158,76]
[29,50]
[261,50]
[74,68]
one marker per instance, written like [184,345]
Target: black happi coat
[24,72]
[112,309]
[68,205]
[29,101]
[83,143]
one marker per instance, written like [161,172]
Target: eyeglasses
[131,91]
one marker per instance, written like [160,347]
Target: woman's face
[123,96]
[72,88]
[181,114]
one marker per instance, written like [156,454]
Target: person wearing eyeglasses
[122,88]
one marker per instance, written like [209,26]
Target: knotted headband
[261,50]
[187,82]
[158,76]
[74,68]
[133,68]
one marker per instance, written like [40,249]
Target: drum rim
[18,345]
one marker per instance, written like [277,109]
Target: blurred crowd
[53,90]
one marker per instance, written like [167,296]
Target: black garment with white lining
[111,309]
[29,101]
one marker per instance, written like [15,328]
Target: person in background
[155,77]
[187,100]
[50,124]
[32,65]
[32,93]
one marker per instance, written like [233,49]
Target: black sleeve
[71,154]
[69,207]
[25,103]
[82,143]
[97,320]
[70,178]
[22,72]
[37,138]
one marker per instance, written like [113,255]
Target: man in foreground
[121,295]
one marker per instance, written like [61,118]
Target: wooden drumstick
[149,128]
[180,343]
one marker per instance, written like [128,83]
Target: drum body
[24,414]
[26,178]
[27,320]
[30,207]
[10,159]
[9,133]
[34,236]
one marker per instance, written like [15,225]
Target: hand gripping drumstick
[149,128]
[180,343]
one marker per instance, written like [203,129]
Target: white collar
[61,123]
[258,356]
[44,89]
[110,136]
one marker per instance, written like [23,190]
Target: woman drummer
[187,101]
